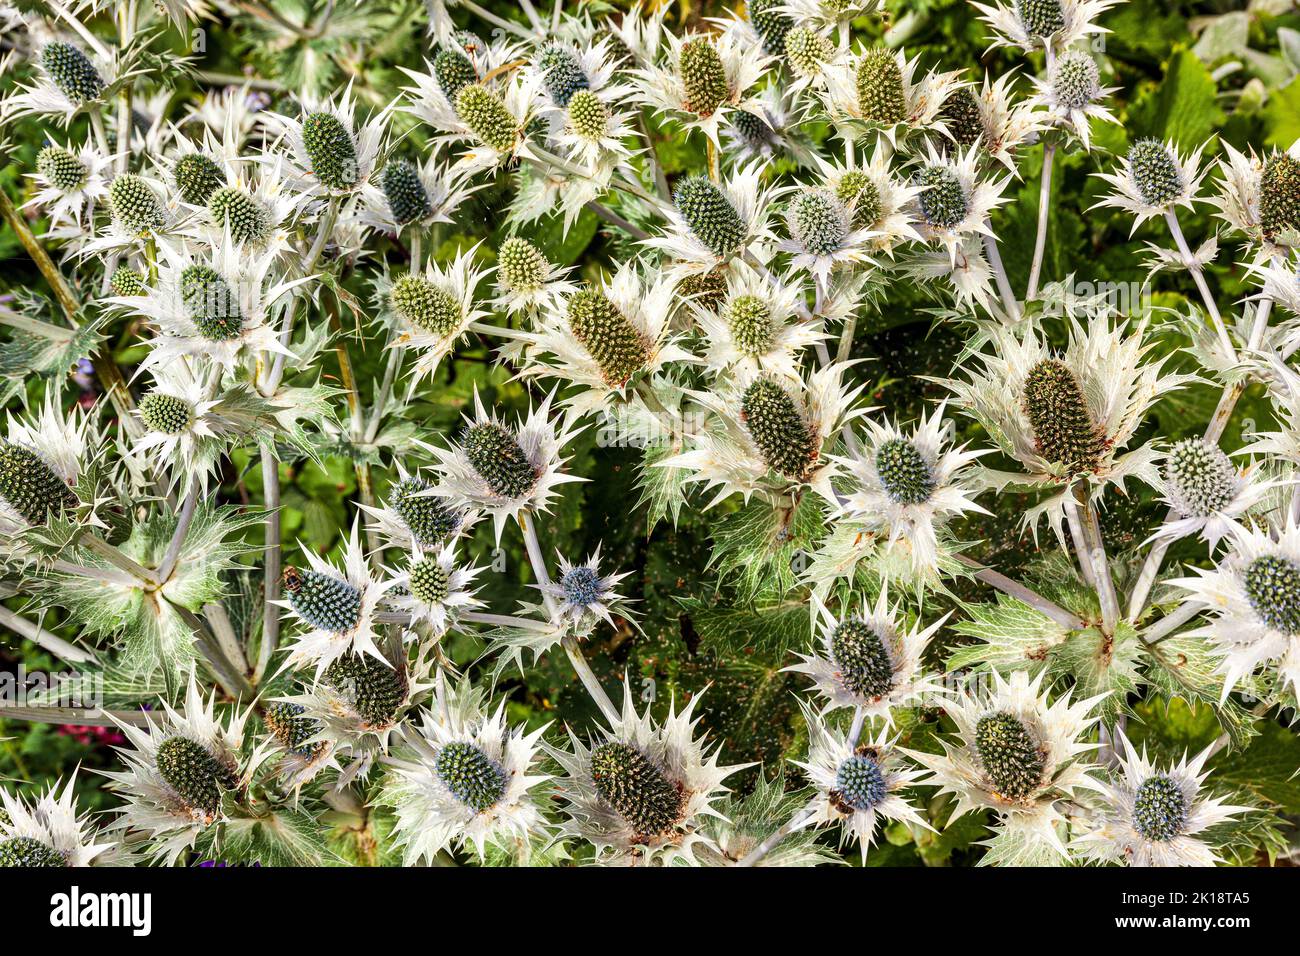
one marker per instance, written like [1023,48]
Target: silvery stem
[1040,239]
[43,638]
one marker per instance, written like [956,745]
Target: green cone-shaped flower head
[1279,198]
[291,729]
[521,266]
[1159,809]
[961,117]
[905,475]
[771,25]
[325,602]
[30,486]
[857,191]
[453,70]
[562,74]
[1010,756]
[865,665]
[777,427]
[1200,479]
[408,200]
[330,150]
[818,221]
[860,783]
[1064,432]
[710,215]
[197,178]
[1040,18]
[197,776]
[29,852]
[64,170]
[1155,171]
[636,789]
[703,76]
[608,336]
[588,116]
[753,129]
[212,303]
[376,689]
[430,581]
[881,98]
[135,207]
[483,111]
[427,518]
[474,778]
[426,305]
[1272,584]
[944,202]
[126,281]
[807,51]
[71,71]
[236,210]
[1077,80]
[166,413]
[495,454]
[750,320]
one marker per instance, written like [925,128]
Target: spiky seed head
[749,319]
[521,266]
[1064,432]
[1155,171]
[430,581]
[197,177]
[126,281]
[708,290]
[30,486]
[581,585]
[703,76]
[588,116]
[1159,809]
[1279,198]
[562,74]
[961,117]
[197,777]
[212,304]
[864,662]
[376,690]
[330,150]
[904,473]
[818,221]
[134,205]
[807,51]
[1076,81]
[291,729]
[425,305]
[753,129]
[325,602]
[857,191]
[943,203]
[427,518]
[710,215]
[166,413]
[1040,18]
[64,170]
[606,333]
[636,789]
[453,71]
[1009,754]
[236,210]
[1272,585]
[881,98]
[474,778]
[860,783]
[1199,478]
[777,427]
[71,71]
[28,852]
[495,454]
[486,115]
[771,25]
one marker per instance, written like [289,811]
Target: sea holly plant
[600,436]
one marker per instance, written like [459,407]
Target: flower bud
[64,170]
[197,178]
[473,777]
[1155,172]
[425,305]
[196,776]
[862,659]
[487,117]
[135,207]
[778,429]
[1058,414]
[376,690]
[330,150]
[605,332]
[71,71]
[703,76]
[880,88]
[236,210]
[710,215]
[495,455]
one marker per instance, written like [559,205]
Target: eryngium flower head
[331,150]
[325,602]
[712,219]
[880,87]
[30,486]
[126,281]
[904,474]
[212,304]
[1279,198]
[135,206]
[430,581]
[1272,586]
[166,413]
[291,729]
[487,117]
[750,320]
[376,689]
[236,210]
[588,115]
[1155,171]
[1064,432]
[1009,755]
[562,74]
[29,852]
[1159,809]
[495,453]
[777,427]
[818,221]
[1199,478]
[807,51]
[1040,18]
[521,266]
[429,520]
[770,23]
[613,342]
[864,663]
[961,117]
[197,177]
[194,773]
[708,290]
[425,305]
[63,169]
[474,778]
[703,76]
[407,198]
[48,832]
[943,202]
[1076,81]
[453,71]
[857,191]
[636,789]
[71,71]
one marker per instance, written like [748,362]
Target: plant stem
[1000,276]
[1101,564]
[271,563]
[1198,276]
[1023,594]
[768,845]
[43,638]
[177,541]
[614,219]
[1044,206]
[588,678]
[1166,626]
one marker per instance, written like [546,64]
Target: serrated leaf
[1012,635]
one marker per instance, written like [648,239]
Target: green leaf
[1012,635]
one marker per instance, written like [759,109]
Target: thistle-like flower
[1207,491]
[331,155]
[879,91]
[769,127]
[1072,94]
[71,79]
[41,462]
[639,790]
[413,516]
[434,587]
[414,196]
[1260,197]
[953,199]
[529,282]
[1152,817]
[433,308]
[824,232]
[988,116]
[1019,755]
[1154,179]
[868,659]
[49,832]
[583,596]
[71,183]
[882,205]
[858,784]
[182,427]
[1030,24]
